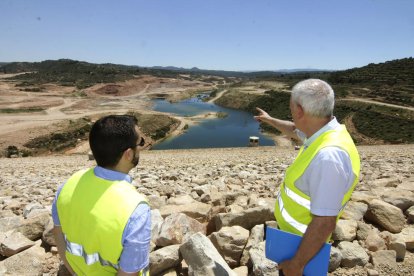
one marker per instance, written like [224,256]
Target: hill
[76,73]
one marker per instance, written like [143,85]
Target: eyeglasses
[141,142]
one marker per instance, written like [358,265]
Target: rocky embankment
[210,208]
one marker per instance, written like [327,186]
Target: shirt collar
[111,175]
[333,124]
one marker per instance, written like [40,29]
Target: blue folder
[281,246]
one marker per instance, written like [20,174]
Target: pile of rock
[210,209]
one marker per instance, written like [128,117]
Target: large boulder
[203,258]
[47,236]
[246,219]
[261,265]
[10,223]
[410,214]
[388,216]
[164,259]
[256,237]
[230,242]
[345,230]
[13,243]
[398,198]
[354,211]
[196,210]
[34,227]
[407,234]
[352,254]
[176,228]
[335,259]
[384,258]
[156,223]
[27,262]
[374,242]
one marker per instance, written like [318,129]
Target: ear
[128,154]
[300,112]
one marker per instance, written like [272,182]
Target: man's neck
[313,124]
[118,168]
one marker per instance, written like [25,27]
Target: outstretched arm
[315,236]
[286,127]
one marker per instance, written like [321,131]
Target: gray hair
[315,96]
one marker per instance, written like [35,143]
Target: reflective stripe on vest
[297,198]
[78,250]
[299,226]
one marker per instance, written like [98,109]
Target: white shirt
[328,177]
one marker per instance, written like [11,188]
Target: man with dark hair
[102,224]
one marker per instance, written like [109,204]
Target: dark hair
[110,136]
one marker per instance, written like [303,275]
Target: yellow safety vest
[93,213]
[292,210]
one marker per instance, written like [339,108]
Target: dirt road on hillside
[378,103]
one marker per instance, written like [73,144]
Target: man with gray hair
[320,181]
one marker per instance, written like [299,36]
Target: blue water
[231,131]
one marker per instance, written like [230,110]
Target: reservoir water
[232,131]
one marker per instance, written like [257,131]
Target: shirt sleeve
[331,177]
[55,215]
[136,240]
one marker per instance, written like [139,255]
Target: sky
[210,34]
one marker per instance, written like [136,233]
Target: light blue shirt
[137,233]
[328,177]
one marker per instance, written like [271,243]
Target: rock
[234,208]
[164,259]
[410,214]
[203,258]
[30,207]
[363,230]
[241,271]
[345,230]
[407,234]
[386,215]
[246,219]
[362,196]
[372,272]
[156,202]
[196,210]
[374,242]
[354,211]
[256,237]
[261,265]
[335,259]
[34,227]
[10,223]
[180,200]
[384,257]
[6,213]
[199,181]
[177,228]
[400,199]
[352,254]
[397,243]
[387,182]
[27,262]
[204,189]
[244,174]
[156,222]
[230,242]
[13,243]
[47,235]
